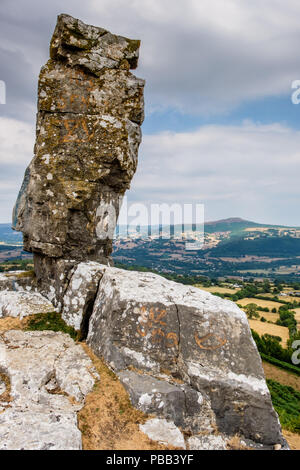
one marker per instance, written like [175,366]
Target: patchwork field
[263,327]
[272,317]
[220,290]
[297,316]
[288,298]
[281,376]
[261,303]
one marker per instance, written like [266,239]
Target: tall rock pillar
[90,109]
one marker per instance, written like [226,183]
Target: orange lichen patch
[108,421]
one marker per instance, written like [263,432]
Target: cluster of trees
[287,318]
[251,310]
[255,288]
[270,345]
[16,265]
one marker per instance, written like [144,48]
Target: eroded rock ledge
[47,379]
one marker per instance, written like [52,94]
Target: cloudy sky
[220,127]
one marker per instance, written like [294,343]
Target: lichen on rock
[50,377]
[90,109]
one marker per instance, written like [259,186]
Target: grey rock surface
[45,371]
[163,431]
[17,280]
[80,295]
[197,364]
[156,325]
[90,109]
[19,304]
[179,403]
[208,442]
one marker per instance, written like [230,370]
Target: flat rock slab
[179,403]
[163,431]
[21,304]
[49,376]
[208,442]
[17,280]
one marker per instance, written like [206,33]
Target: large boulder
[183,336]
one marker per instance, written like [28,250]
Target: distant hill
[232,247]
[234,224]
[270,246]
[7,235]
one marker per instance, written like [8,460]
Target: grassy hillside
[264,246]
[232,247]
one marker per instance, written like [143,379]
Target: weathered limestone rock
[183,355]
[17,280]
[164,328]
[179,403]
[45,370]
[21,304]
[78,301]
[90,109]
[163,431]
[208,442]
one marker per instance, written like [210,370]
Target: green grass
[50,321]
[283,365]
[286,402]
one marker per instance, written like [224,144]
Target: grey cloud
[20,87]
[201,57]
[250,171]
[198,57]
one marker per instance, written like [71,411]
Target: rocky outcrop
[181,353]
[21,304]
[90,108]
[44,378]
[163,431]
